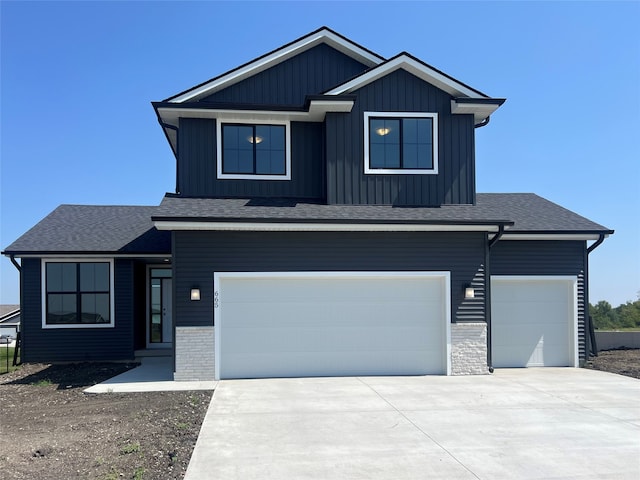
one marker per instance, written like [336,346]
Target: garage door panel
[299,326]
[532,322]
[299,364]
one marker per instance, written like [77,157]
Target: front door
[159,322]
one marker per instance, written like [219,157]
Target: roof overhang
[320,226]
[322,35]
[480,108]
[315,110]
[414,66]
[554,236]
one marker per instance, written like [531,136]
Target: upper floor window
[256,151]
[77,294]
[400,143]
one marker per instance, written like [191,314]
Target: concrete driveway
[560,423]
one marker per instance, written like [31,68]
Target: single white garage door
[331,324]
[533,321]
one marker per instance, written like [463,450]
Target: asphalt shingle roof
[528,212]
[85,229]
[95,229]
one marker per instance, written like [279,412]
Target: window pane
[384,143]
[270,152]
[61,277]
[425,156]
[95,308]
[94,277]
[61,308]
[245,161]
[237,149]
[410,156]
[161,272]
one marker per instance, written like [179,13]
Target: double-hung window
[77,294]
[253,151]
[401,143]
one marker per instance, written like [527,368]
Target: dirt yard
[623,361]
[49,429]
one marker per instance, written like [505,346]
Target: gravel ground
[50,429]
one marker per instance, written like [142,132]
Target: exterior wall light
[195,294]
[469,292]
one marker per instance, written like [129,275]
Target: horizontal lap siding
[524,257]
[197,164]
[76,344]
[197,255]
[309,73]
[401,92]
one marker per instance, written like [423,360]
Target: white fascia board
[318,227]
[264,63]
[480,111]
[421,71]
[317,111]
[550,236]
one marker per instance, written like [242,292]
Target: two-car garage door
[331,324]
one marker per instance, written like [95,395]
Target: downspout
[487,289]
[177,130]
[15,264]
[483,123]
[592,346]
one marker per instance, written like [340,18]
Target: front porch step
[153,352]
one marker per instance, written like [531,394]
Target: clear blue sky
[77,80]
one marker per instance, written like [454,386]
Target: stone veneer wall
[195,349]
[469,349]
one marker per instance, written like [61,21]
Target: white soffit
[550,236]
[420,70]
[317,111]
[323,36]
[480,111]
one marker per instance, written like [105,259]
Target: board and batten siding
[197,164]
[76,344]
[400,91]
[529,257]
[197,255]
[288,83]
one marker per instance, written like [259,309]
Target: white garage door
[533,321]
[331,324]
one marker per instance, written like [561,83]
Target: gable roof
[520,213]
[268,60]
[93,229]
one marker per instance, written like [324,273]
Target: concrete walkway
[155,374]
[552,423]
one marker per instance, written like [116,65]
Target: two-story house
[325,222]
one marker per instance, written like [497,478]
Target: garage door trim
[445,277]
[573,281]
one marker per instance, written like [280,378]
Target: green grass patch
[6,359]
[130,448]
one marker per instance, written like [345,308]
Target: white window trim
[400,171]
[43,283]
[244,176]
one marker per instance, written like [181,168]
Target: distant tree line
[605,317]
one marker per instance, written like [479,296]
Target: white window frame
[401,171]
[246,176]
[43,282]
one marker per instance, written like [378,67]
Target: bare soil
[50,429]
[624,361]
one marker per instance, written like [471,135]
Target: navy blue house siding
[549,257]
[400,92]
[197,164]
[286,84]
[197,255]
[77,344]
